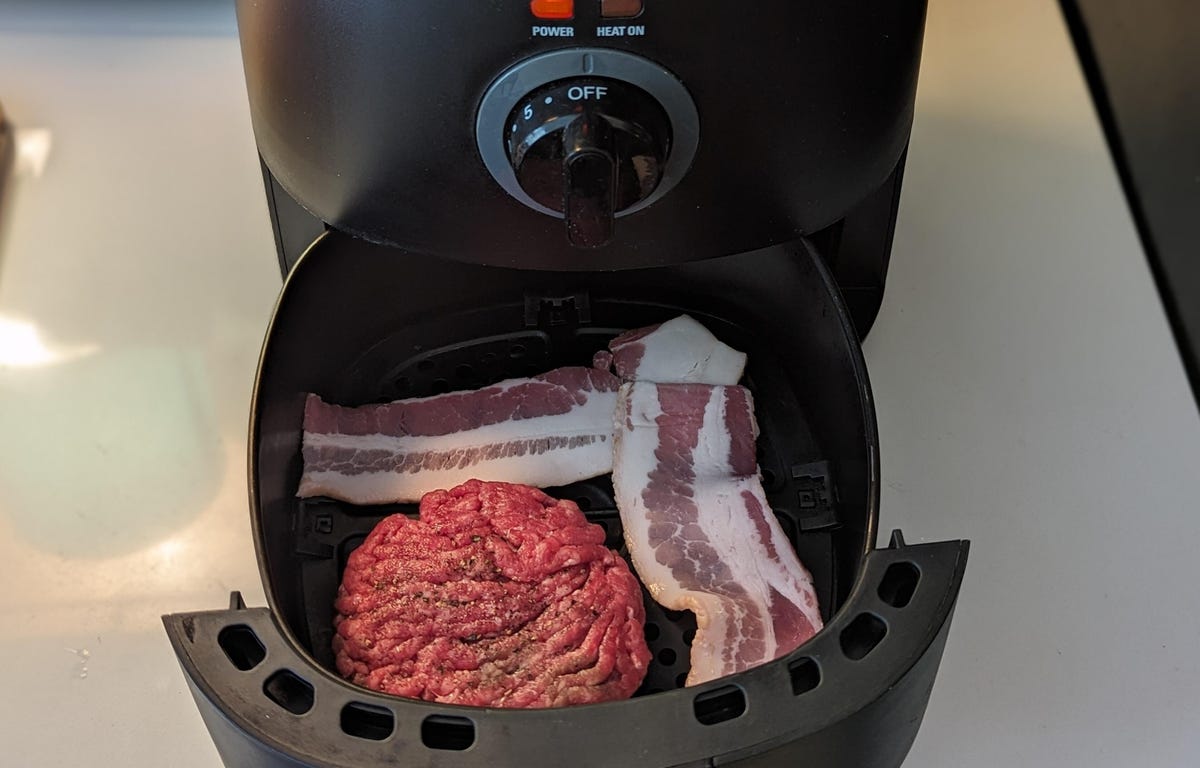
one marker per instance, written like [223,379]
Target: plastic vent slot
[861,636]
[242,646]
[805,674]
[717,706]
[367,722]
[899,584]
[290,691]
[447,732]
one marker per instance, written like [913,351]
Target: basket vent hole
[717,706]
[367,722]
[584,503]
[447,732]
[464,371]
[666,657]
[677,616]
[768,478]
[688,637]
[516,351]
[426,365]
[805,674]
[681,679]
[489,358]
[652,632]
[403,384]
[440,386]
[290,691]
[242,646]
[899,584]
[861,636]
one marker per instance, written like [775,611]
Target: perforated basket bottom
[328,531]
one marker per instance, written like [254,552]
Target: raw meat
[548,430]
[699,528]
[602,360]
[498,596]
[679,350]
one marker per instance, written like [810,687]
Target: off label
[554,31]
[628,30]
[586,92]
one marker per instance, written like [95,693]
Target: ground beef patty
[497,596]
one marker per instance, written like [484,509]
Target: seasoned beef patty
[497,596]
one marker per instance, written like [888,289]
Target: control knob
[589,148]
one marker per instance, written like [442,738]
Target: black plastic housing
[857,247]
[359,323]
[365,113]
[1143,68]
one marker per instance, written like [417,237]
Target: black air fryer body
[465,192]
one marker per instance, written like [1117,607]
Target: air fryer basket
[359,323]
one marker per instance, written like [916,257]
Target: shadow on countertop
[106,454]
[8,150]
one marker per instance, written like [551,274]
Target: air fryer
[470,193]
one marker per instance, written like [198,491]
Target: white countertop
[1029,394]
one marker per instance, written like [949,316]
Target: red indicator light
[552,9]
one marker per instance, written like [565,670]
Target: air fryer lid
[357,324]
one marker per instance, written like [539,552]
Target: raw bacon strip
[551,429]
[699,528]
[679,350]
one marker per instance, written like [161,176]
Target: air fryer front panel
[367,114]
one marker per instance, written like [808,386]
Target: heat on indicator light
[620,9]
[552,9]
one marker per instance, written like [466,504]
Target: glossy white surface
[143,258]
[1030,399]
[1029,396]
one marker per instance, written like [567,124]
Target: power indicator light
[552,9]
